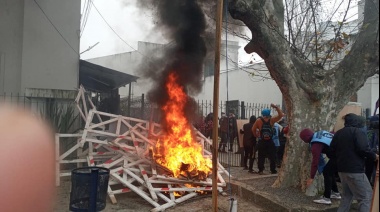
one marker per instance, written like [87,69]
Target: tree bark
[313,96]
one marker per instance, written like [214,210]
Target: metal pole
[129,99]
[218,38]
[375,197]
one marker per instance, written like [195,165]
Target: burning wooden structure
[129,148]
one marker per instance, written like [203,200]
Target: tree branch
[282,61]
[363,59]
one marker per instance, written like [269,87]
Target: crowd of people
[264,136]
[353,153]
[348,156]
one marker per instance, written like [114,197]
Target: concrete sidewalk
[257,189]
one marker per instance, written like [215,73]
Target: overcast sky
[127,21]
[132,25]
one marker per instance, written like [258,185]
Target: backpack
[267,130]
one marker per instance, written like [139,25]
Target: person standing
[249,142]
[320,144]
[208,125]
[223,124]
[350,146]
[263,129]
[233,130]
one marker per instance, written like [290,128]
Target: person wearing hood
[319,143]
[249,143]
[350,147]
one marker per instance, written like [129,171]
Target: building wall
[48,61]
[243,87]
[11,24]
[125,62]
[369,94]
[129,63]
[351,107]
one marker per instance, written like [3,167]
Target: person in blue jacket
[320,145]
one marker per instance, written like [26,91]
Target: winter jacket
[223,122]
[276,134]
[249,140]
[350,146]
[233,127]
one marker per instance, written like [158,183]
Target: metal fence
[64,116]
[140,107]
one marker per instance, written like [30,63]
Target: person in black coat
[233,130]
[249,143]
[350,147]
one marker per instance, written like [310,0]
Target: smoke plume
[183,23]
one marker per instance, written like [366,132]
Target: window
[208,68]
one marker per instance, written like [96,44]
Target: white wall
[369,94]
[48,61]
[32,53]
[11,24]
[241,86]
[129,63]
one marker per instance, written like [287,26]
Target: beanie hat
[306,135]
[286,130]
[265,112]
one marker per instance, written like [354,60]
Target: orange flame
[178,150]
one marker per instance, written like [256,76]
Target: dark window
[208,68]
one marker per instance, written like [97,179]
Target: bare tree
[313,95]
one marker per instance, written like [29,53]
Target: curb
[271,203]
[259,198]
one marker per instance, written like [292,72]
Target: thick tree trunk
[313,96]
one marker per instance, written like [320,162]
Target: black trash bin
[89,189]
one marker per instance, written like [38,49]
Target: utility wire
[87,12]
[55,27]
[114,30]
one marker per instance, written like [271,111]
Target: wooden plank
[136,190]
[148,184]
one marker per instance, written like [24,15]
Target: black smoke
[183,23]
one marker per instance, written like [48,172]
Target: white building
[40,62]
[39,47]
[129,62]
[242,86]
[251,84]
